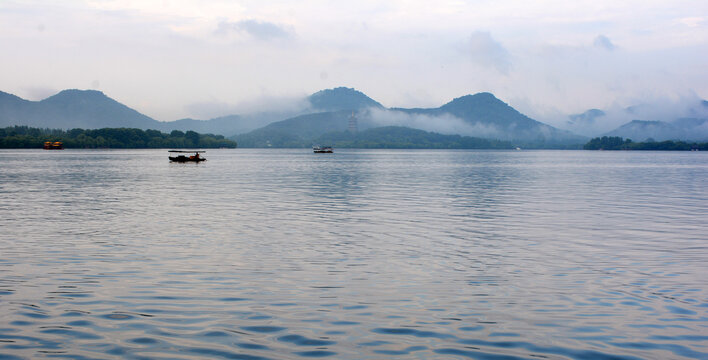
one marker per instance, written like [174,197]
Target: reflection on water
[284,254]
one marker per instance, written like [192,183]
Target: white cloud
[694,21]
[158,56]
[653,108]
[487,52]
[288,105]
[36,93]
[443,124]
[262,30]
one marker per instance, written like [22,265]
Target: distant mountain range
[689,129]
[481,116]
[87,109]
[90,109]
[689,123]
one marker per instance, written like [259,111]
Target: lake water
[360,254]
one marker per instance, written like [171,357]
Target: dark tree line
[394,137]
[618,143]
[389,137]
[23,137]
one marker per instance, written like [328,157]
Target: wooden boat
[322,149]
[187,158]
[57,145]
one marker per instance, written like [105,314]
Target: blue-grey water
[361,254]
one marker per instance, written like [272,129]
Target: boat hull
[185,159]
[322,149]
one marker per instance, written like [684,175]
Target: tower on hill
[353,124]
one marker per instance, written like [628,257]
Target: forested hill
[23,137]
[398,137]
[388,137]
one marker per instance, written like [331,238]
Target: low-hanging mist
[446,124]
[597,122]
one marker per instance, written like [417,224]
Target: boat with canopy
[194,157]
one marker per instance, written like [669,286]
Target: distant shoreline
[24,137]
[619,143]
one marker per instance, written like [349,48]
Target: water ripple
[278,254]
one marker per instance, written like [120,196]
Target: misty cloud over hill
[300,120]
[685,118]
[90,109]
[689,129]
[481,115]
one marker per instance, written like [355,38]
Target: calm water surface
[285,254]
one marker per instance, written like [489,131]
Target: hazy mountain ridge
[586,118]
[490,117]
[690,129]
[13,109]
[300,130]
[481,115]
[229,124]
[91,109]
[72,109]
[7,99]
[666,119]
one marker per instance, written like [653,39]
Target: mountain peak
[74,108]
[482,98]
[588,117]
[482,104]
[341,98]
[70,93]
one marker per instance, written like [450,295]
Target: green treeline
[389,137]
[23,137]
[618,143]
[394,137]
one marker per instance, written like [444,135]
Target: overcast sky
[171,59]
